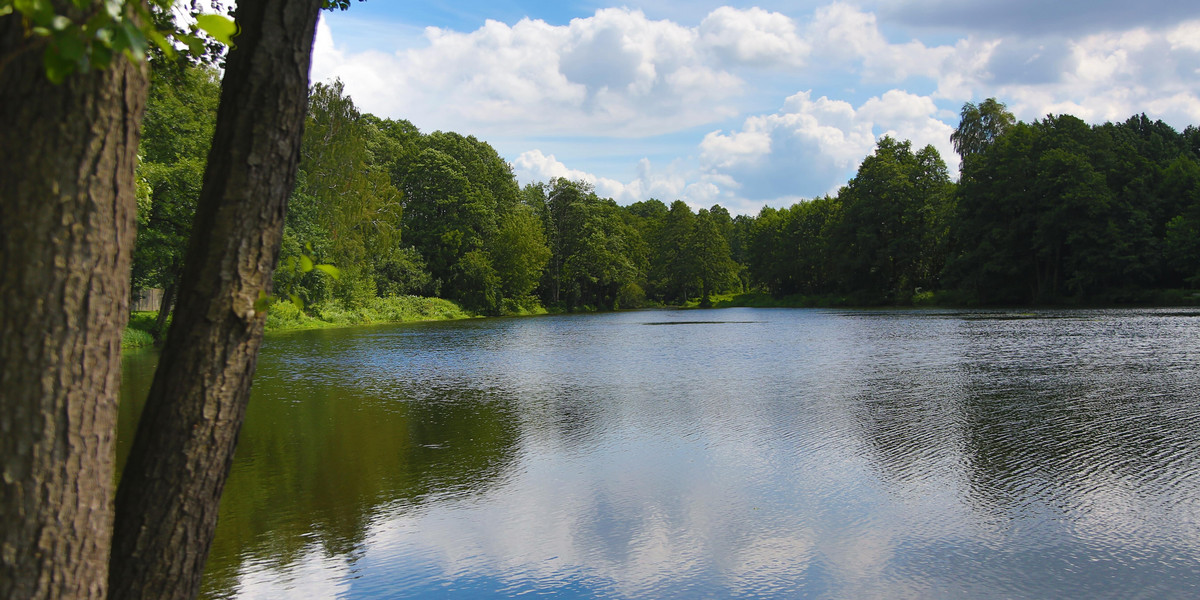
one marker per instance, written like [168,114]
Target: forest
[1056,211]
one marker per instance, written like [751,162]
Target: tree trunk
[170,490]
[67,223]
[164,309]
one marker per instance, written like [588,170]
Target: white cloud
[845,36]
[808,148]
[618,73]
[754,36]
[811,147]
[1112,76]
[615,73]
[533,166]
[667,185]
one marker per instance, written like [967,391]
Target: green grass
[284,315]
[137,332]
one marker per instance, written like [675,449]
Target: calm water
[739,453]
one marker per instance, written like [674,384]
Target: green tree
[176,134]
[709,250]
[554,203]
[438,213]
[355,209]
[519,253]
[600,253]
[1181,234]
[980,126]
[674,270]
[1052,211]
[891,212]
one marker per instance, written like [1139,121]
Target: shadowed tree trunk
[164,310]
[67,223]
[170,490]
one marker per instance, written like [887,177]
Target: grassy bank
[284,316]
[137,331]
[394,309]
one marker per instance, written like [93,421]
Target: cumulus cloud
[1099,77]
[806,149]
[810,147]
[847,36]
[676,182]
[619,73]
[1036,17]
[614,73]
[753,37]
[535,166]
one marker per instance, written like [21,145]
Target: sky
[749,104]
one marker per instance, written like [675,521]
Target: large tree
[67,206]
[166,507]
[67,217]
[709,250]
[893,214]
[980,126]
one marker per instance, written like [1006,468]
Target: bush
[924,298]
[285,315]
[631,295]
[138,331]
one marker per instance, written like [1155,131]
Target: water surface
[748,453]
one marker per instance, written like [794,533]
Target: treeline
[1047,212]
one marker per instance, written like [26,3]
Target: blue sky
[749,104]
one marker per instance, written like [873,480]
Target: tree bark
[170,490]
[164,309]
[67,223]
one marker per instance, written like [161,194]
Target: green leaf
[306,263]
[297,301]
[329,270]
[57,67]
[220,27]
[69,47]
[38,11]
[195,45]
[135,41]
[101,56]
[264,301]
[162,42]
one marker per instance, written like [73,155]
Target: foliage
[889,240]
[83,35]
[1058,210]
[176,132]
[980,126]
[285,315]
[1049,211]
[139,332]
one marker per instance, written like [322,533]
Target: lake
[735,453]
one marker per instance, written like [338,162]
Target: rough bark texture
[171,487]
[164,310]
[67,223]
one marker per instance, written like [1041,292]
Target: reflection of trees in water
[1072,446]
[1031,417]
[317,464]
